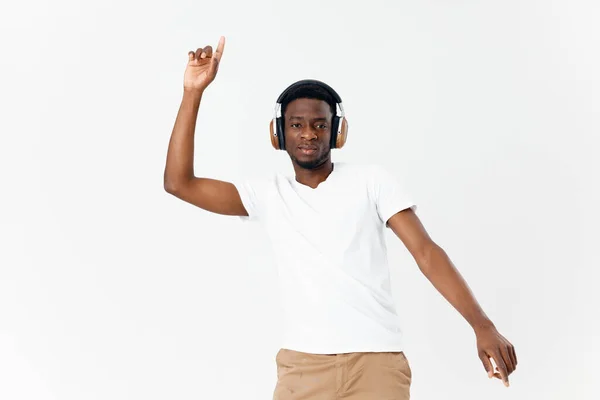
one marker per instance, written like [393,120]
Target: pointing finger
[220,48]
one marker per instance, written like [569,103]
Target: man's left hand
[491,344]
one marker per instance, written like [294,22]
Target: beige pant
[350,376]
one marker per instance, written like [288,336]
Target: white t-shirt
[331,256]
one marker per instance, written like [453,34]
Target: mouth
[307,149]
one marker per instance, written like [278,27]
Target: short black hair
[309,91]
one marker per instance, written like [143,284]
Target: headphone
[339,124]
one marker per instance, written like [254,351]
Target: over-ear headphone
[339,124]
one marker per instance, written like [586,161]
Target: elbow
[168,184]
[169,187]
[174,182]
[177,186]
[172,186]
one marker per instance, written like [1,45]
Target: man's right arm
[179,179]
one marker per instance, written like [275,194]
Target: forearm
[439,269]
[180,156]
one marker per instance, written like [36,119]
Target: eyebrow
[315,119]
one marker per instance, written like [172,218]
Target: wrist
[192,95]
[482,326]
[191,91]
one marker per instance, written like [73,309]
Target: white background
[112,289]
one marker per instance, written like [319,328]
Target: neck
[313,177]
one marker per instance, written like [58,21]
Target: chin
[308,164]
[312,162]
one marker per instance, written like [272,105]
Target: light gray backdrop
[112,289]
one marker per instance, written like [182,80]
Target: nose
[309,133]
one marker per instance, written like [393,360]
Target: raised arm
[179,179]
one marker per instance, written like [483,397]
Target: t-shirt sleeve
[390,193]
[253,193]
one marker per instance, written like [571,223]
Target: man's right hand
[202,67]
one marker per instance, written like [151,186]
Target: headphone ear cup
[273,134]
[280,134]
[342,134]
[335,124]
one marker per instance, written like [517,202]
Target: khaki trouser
[350,376]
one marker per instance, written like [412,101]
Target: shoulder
[378,177]
[385,173]
[357,169]
[368,172]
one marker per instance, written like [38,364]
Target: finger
[505,353]
[513,355]
[198,53]
[207,52]
[487,364]
[220,48]
[191,55]
[501,367]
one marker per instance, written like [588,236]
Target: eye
[295,125]
[322,126]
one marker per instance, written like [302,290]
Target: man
[327,223]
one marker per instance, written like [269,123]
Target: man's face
[307,132]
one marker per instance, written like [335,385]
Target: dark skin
[437,267]
[308,127]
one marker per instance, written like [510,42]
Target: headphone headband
[304,82]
